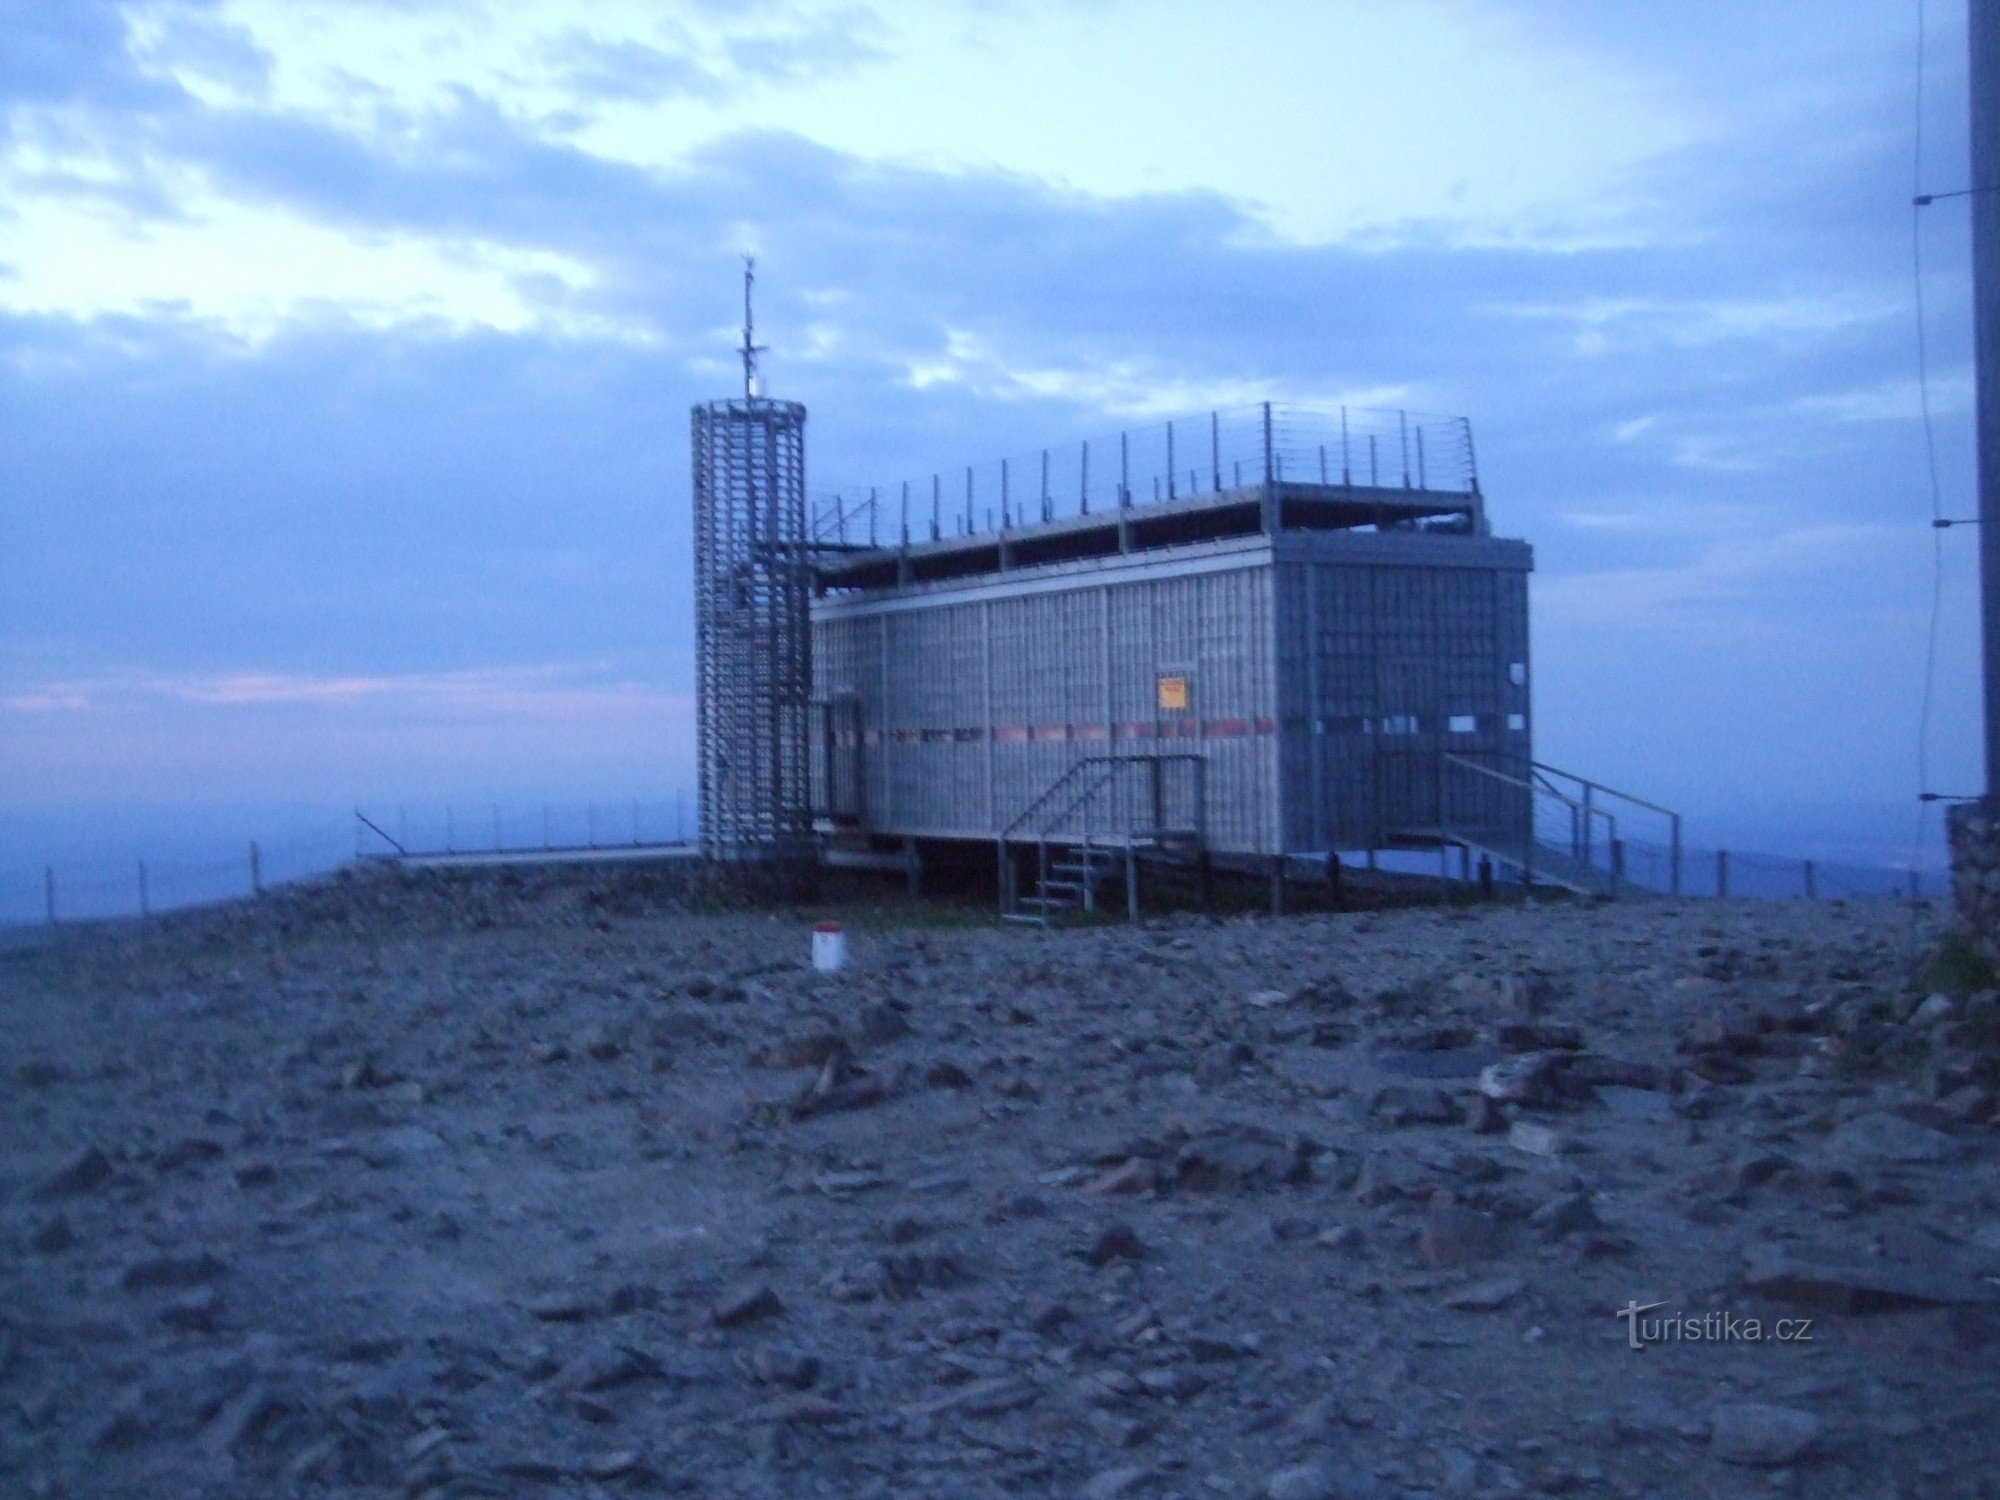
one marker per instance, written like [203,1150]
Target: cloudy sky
[346,350]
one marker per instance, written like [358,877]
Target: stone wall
[1974,831]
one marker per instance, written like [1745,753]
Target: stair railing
[1594,793]
[1583,817]
[1084,780]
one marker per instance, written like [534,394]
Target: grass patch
[1960,969]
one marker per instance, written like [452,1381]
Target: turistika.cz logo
[1708,1328]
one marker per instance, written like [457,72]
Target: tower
[753,664]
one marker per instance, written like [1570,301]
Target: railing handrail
[1269,443]
[1543,789]
[1075,769]
[1598,786]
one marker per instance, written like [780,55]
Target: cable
[1917,205]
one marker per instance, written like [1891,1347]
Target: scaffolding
[753,661]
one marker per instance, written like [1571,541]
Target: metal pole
[590,822]
[1170,460]
[49,891]
[906,513]
[635,822]
[871,515]
[545,826]
[1983,40]
[1083,484]
[1812,882]
[1268,465]
[1006,504]
[256,871]
[1047,512]
[968,499]
[1346,468]
[145,904]
[1403,432]
[1215,448]
[1423,481]
[1131,882]
[450,837]
[1722,874]
[937,507]
[496,828]
[1674,856]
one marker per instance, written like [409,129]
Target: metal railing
[1272,442]
[1110,802]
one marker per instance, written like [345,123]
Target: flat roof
[1247,510]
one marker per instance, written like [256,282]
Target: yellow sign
[1174,694]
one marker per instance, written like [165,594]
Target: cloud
[631,70]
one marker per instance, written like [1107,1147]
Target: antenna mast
[751,349]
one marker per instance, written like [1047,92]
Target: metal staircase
[1095,820]
[1553,826]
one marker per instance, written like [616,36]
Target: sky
[346,351]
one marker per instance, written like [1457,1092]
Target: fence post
[1915,888]
[49,891]
[1131,881]
[450,832]
[1722,874]
[1083,481]
[590,822]
[1215,448]
[1268,466]
[1617,866]
[145,905]
[680,822]
[1812,882]
[256,871]
[496,828]
[1674,857]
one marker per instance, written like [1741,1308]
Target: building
[1304,641]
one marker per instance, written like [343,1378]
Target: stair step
[1025,919]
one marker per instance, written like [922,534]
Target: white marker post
[829,948]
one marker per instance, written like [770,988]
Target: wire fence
[522,828]
[1354,447]
[75,890]
[1724,873]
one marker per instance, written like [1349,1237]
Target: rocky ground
[406,1188]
